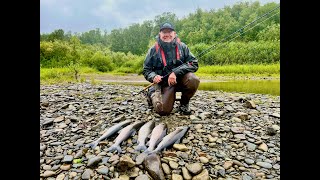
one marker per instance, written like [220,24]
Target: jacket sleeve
[190,65]
[148,72]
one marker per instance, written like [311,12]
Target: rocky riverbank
[232,135]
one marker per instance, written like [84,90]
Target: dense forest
[124,49]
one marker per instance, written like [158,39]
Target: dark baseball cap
[166,25]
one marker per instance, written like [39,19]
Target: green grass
[65,75]
[240,70]
[247,86]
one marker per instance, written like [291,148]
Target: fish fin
[149,136]
[119,131]
[148,143]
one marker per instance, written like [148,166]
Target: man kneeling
[171,66]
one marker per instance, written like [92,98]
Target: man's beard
[167,45]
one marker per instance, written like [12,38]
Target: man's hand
[157,79]
[172,79]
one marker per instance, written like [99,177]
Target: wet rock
[246,177]
[48,173]
[94,161]
[251,146]
[276,127]
[277,115]
[185,173]
[237,129]
[263,147]
[46,167]
[249,161]
[238,163]
[227,164]
[204,175]
[276,166]
[103,170]
[58,119]
[133,172]
[65,167]
[125,163]
[204,160]
[114,158]
[222,172]
[173,165]
[60,177]
[194,168]
[67,159]
[142,177]
[271,131]
[87,174]
[242,115]
[264,165]
[166,168]
[124,177]
[180,147]
[250,104]
[240,136]
[176,177]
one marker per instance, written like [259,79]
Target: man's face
[167,35]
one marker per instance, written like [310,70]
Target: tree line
[199,30]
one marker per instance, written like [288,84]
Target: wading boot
[184,109]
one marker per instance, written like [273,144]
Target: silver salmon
[157,135]
[172,138]
[144,131]
[125,134]
[109,133]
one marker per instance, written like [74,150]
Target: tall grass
[254,69]
[61,75]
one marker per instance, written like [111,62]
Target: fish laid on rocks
[144,132]
[157,135]
[109,133]
[125,134]
[170,139]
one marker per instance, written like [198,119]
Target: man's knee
[163,109]
[192,81]
[163,112]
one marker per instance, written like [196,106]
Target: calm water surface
[247,86]
[271,87]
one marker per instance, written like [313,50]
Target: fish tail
[114,147]
[146,151]
[93,144]
[141,147]
[151,152]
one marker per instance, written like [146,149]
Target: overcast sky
[85,15]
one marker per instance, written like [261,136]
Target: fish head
[138,124]
[152,123]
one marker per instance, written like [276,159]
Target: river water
[271,87]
